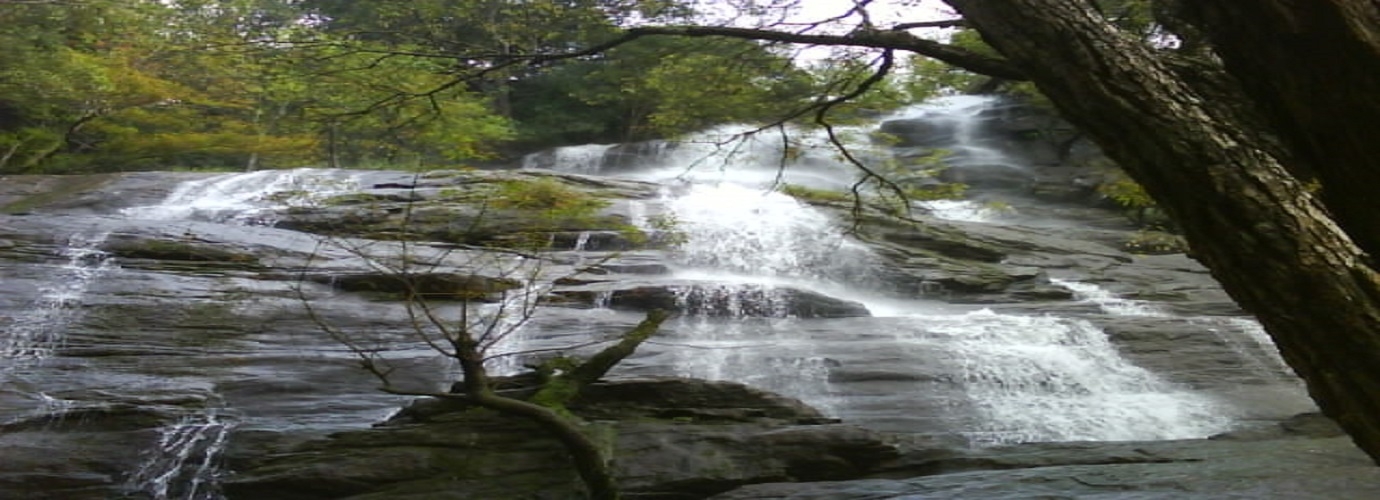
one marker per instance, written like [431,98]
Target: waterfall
[1043,378]
[39,332]
[1023,378]
[1028,378]
[1109,302]
[957,122]
[185,462]
[507,322]
[730,228]
[247,198]
[960,210]
[583,159]
[737,255]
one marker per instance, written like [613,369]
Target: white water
[502,329]
[964,115]
[41,330]
[584,159]
[185,462]
[737,229]
[1029,378]
[1109,302]
[1255,344]
[1043,378]
[247,198]
[962,210]
[737,154]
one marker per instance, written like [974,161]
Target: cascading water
[585,159]
[38,333]
[1027,378]
[1043,378]
[505,323]
[740,250]
[742,245]
[958,120]
[184,463]
[247,198]
[1109,302]
[1018,378]
[1248,338]
[738,229]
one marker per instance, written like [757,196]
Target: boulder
[989,176]
[671,439]
[431,286]
[919,133]
[717,300]
[131,246]
[1200,469]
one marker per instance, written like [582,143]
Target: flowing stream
[1001,378]
[1024,378]
[40,331]
[184,460]
[990,375]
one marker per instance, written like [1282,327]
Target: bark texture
[585,455]
[589,460]
[1315,69]
[1196,146]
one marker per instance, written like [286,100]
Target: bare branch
[596,366]
[893,40]
[948,23]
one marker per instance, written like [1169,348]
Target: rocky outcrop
[191,305]
[713,300]
[1281,467]
[477,208]
[424,285]
[672,439]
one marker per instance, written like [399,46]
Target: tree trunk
[1197,150]
[589,461]
[1317,65]
[333,144]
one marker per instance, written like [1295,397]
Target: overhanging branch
[893,40]
[877,39]
[947,23]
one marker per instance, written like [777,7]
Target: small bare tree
[467,302]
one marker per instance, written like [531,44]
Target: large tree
[1250,123]
[1229,143]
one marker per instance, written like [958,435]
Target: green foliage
[1125,192]
[927,77]
[1129,195]
[814,195]
[914,179]
[655,87]
[105,85]
[667,230]
[548,196]
[940,191]
[1154,242]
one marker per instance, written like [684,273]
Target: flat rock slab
[1330,468]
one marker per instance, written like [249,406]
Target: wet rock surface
[133,322]
[673,439]
[1289,468]
[713,300]
[202,307]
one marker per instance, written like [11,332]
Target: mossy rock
[51,190]
[1149,242]
[184,251]
[432,286]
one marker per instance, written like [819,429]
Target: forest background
[120,85]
